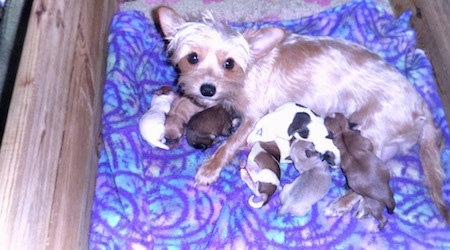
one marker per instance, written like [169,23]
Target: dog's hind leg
[210,170]
[342,204]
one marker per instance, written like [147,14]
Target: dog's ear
[169,20]
[264,40]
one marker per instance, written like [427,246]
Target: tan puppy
[181,111]
[259,70]
[311,185]
[366,174]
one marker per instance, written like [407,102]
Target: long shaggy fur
[259,70]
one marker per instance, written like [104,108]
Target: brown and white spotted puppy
[313,183]
[292,120]
[366,174]
[204,128]
[262,173]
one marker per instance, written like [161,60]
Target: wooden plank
[75,186]
[48,154]
[431,20]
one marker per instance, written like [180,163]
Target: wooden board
[49,155]
[431,20]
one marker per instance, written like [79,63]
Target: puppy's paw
[374,228]
[207,174]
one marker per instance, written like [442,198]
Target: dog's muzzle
[207,89]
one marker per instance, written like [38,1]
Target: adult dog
[257,71]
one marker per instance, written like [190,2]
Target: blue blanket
[146,199]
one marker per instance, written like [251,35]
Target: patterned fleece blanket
[146,199]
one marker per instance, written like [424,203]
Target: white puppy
[151,124]
[293,120]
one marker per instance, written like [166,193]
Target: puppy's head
[200,141]
[336,123]
[302,150]
[212,58]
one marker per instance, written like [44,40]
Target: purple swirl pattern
[146,199]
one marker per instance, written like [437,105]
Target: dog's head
[212,58]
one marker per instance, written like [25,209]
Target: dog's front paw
[335,209]
[207,174]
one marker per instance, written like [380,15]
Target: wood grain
[49,154]
[431,20]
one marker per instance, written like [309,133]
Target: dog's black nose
[207,89]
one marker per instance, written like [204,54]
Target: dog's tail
[431,144]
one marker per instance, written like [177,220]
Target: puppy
[293,120]
[220,65]
[205,127]
[366,174]
[151,124]
[311,185]
[262,172]
[181,111]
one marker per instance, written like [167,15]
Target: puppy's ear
[169,20]
[264,40]
[329,157]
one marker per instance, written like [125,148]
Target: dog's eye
[229,64]
[192,58]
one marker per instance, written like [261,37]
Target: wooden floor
[431,20]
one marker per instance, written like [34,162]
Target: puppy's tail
[430,156]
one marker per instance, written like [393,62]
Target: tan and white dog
[258,70]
